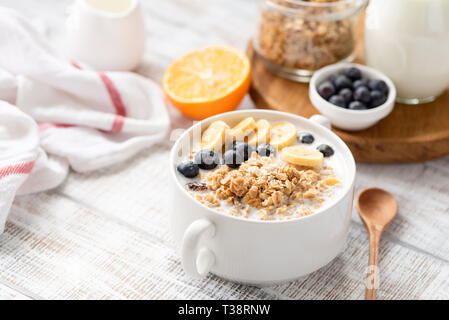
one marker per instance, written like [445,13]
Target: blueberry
[361,82]
[244,150]
[338,101]
[306,137]
[357,105]
[377,98]
[362,94]
[326,89]
[206,159]
[232,159]
[233,145]
[346,94]
[342,81]
[332,78]
[326,150]
[352,73]
[265,149]
[188,169]
[379,85]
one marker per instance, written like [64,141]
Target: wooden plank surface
[57,249]
[105,234]
[8,293]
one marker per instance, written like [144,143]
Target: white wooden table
[105,234]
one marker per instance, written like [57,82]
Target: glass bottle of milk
[409,41]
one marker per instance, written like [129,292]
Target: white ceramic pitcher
[105,34]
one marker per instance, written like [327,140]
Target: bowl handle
[197,262]
[320,119]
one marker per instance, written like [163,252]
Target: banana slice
[302,156]
[332,181]
[262,133]
[214,136]
[242,129]
[282,134]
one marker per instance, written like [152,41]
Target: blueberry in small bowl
[352,96]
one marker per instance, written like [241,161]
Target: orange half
[208,81]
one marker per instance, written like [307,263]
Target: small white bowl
[351,120]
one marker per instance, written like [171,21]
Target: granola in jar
[295,38]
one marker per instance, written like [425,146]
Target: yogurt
[408,40]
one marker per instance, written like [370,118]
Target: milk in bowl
[259,169]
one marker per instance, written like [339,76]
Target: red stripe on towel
[116,99]
[118,123]
[76,65]
[44,126]
[21,168]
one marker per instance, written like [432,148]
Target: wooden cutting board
[409,134]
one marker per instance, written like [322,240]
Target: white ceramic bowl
[255,251]
[351,120]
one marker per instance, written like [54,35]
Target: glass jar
[408,40]
[294,38]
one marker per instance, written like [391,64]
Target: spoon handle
[372,277]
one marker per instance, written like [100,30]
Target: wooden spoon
[377,208]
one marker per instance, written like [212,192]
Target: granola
[268,185]
[306,40]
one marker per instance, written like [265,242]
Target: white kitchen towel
[55,113]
